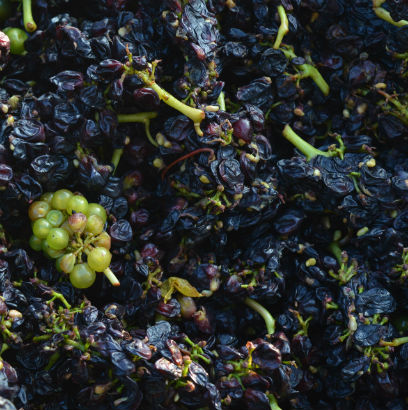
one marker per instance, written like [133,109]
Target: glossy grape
[17,38]
[103,240]
[60,199]
[55,217]
[99,259]
[96,209]
[38,209]
[66,263]
[41,228]
[35,243]
[47,197]
[82,276]
[57,238]
[77,222]
[77,203]
[52,253]
[94,225]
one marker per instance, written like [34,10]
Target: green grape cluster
[70,230]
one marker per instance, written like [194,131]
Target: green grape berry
[41,228]
[94,225]
[66,263]
[38,209]
[55,217]
[60,199]
[48,251]
[82,276]
[47,197]
[104,240]
[96,209]
[77,203]
[17,38]
[35,243]
[77,222]
[99,259]
[58,238]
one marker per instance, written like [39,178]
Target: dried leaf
[183,286]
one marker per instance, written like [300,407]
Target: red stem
[190,154]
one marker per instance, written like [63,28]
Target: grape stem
[29,22]
[273,402]
[195,114]
[117,154]
[60,297]
[283,28]
[307,70]
[267,317]
[111,277]
[385,15]
[142,117]
[304,147]
[395,342]
[190,154]
[221,101]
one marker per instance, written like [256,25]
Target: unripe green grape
[66,262]
[52,253]
[77,203]
[60,199]
[17,38]
[58,238]
[77,222]
[103,240]
[35,243]
[94,224]
[55,217]
[82,276]
[47,197]
[96,209]
[38,209]
[41,228]
[99,259]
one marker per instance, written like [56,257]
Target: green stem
[142,117]
[41,338]
[29,22]
[273,402]
[111,277]
[53,359]
[312,72]
[195,114]
[117,154]
[304,147]
[267,317]
[283,28]
[61,298]
[4,347]
[385,15]
[77,345]
[336,251]
[137,117]
[308,70]
[221,101]
[395,342]
[203,358]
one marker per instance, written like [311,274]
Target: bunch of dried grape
[238,170]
